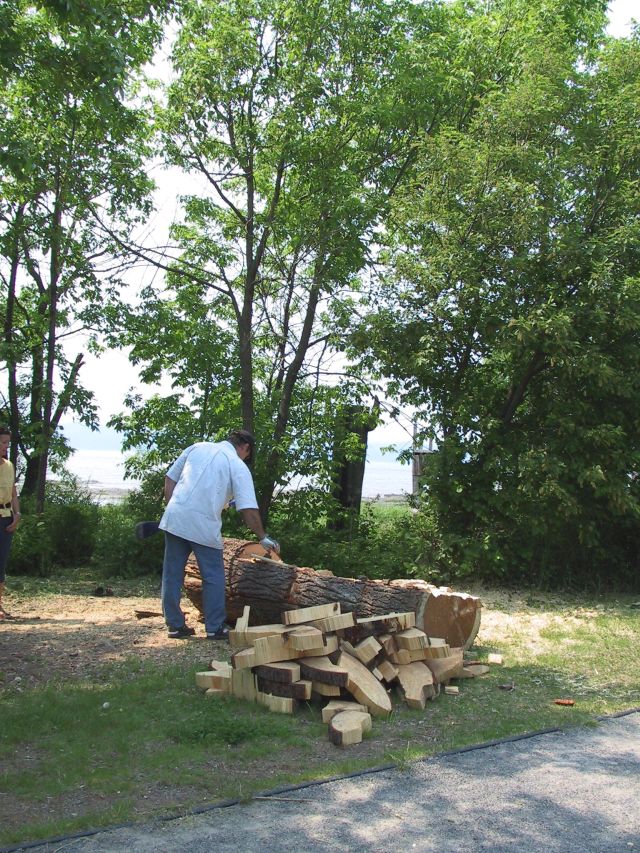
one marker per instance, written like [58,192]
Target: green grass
[144,740]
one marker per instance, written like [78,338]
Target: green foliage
[117,552]
[510,318]
[64,535]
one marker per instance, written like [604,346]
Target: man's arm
[15,509]
[169,486]
[251,518]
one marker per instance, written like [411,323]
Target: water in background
[102,471]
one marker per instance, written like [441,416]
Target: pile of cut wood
[350,663]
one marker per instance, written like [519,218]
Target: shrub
[117,552]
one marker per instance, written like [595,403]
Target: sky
[111,375]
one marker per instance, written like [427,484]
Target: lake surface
[103,472]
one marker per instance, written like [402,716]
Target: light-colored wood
[389,621]
[255,550]
[243,684]
[215,691]
[437,647]
[308,614]
[364,686]
[445,668]
[278,704]
[388,643]
[336,705]
[243,659]
[243,622]
[251,633]
[367,650]
[412,639]
[322,669]
[347,727]
[330,646]
[450,690]
[473,670]
[335,623]
[416,684]
[304,637]
[285,671]
[214,680]
[401,657]
[387,670]
[323,689]
[495,659]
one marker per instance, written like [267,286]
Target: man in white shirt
[197,487]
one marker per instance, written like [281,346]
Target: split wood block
[437,648]
[212,692]
[349,648]
[278,704]
[445,668]
[415,654]
[304,637]
[242,623]
[244,659]
[388,622]
[416,684]
[375,671]
[214,680]
[243,684]
[250,634]
[323,670]
[308,614]
[335,623]
[322,689]
[388,643]
[286,671]
[348,727]
[336,705]
[388,671]
[365,687]
[367,650]
[401,657]
[495,659]
[450,690]
[412,639]
[330,647]
[473,670]
[294,690]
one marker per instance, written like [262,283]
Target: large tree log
[269,588]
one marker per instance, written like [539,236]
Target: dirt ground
[69,636]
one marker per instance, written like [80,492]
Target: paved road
[577,790]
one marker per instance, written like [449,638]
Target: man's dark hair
[242,436]
[5,431]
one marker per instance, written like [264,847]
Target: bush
[64,535]
[117,552]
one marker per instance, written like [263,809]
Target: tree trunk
[270,588]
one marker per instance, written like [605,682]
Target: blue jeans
[211,565]
[5,545]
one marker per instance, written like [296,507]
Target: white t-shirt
[207,477]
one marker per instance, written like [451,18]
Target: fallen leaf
[567,702]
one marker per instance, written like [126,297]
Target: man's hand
[270,544]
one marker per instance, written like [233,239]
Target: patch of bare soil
[69,637]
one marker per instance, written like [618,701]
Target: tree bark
[270,588]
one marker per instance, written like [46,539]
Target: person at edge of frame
[9,511]
[200,483]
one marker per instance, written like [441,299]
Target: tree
[511,316]
[298,120]
[72,144]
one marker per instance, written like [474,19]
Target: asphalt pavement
[572,790]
